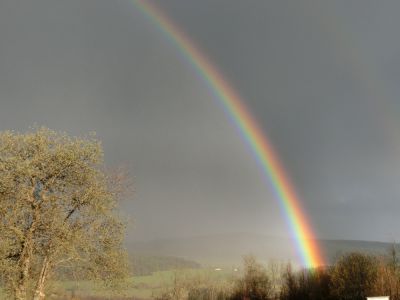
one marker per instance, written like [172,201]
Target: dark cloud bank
[320,78]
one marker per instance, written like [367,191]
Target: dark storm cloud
[312,73]
[319,77]
[101,66]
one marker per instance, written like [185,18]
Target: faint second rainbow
[305,239]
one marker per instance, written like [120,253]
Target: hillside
[228,249]
[146,265]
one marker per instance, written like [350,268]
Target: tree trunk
[25,258]
[40,285]
[20,290]
[25,263]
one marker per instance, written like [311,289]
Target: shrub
[307,284]
[255,285]
[354,277]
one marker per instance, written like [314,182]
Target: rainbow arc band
[267,158]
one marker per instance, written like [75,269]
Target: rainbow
[306,244]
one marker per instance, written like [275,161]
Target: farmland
[143,287]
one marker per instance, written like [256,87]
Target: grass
[142,287]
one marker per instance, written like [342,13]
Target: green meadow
[144,287]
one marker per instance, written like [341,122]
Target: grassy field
[154,275]
[144,287]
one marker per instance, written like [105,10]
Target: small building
[378,298]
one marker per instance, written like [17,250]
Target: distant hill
[146,265]
[228,249]
[334,248]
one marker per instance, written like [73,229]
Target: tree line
[353,276]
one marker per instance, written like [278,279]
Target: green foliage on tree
[57,212]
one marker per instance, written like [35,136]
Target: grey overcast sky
[320,77]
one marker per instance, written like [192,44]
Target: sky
[321,78]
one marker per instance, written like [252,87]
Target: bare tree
[388,274]
[255,284]
[354,276]
[57,212]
